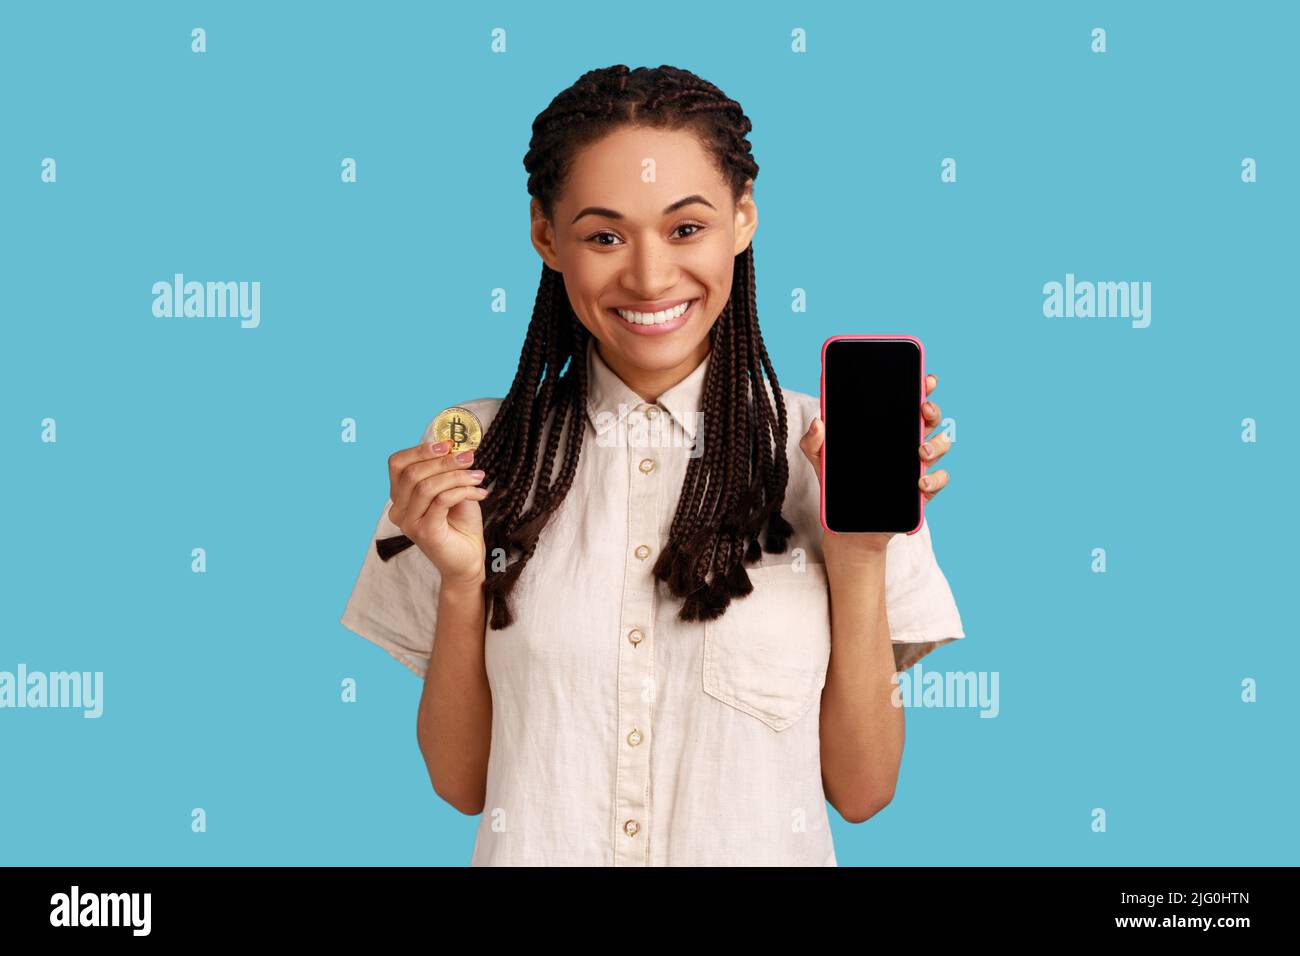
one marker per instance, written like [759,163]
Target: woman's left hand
[835,546]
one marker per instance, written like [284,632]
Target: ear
[543,236]
[746,218]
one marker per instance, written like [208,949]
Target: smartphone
[872,389]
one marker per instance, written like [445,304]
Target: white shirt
[621,735]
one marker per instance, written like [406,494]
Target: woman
[616,671]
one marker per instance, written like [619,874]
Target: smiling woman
[626,642]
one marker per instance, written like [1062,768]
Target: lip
[664,329]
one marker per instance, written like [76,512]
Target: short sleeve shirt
[621,735]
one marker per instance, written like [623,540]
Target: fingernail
[466,456]
[925,482]
[927,449]
[476,474]
[929,408]
[440,448]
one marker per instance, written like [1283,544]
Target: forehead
[616,170]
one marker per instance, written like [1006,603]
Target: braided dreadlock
[739,481]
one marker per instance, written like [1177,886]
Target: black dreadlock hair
[738,484]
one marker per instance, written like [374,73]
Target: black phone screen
[871,392]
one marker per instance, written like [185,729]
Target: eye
[597,235]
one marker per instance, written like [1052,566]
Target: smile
[656,322]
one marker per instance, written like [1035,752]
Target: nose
[652,271]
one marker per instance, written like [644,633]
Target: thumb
[811,442]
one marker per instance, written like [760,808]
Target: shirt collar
[609,399]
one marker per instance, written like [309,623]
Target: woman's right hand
[435,503]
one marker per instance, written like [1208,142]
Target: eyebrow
[614,214]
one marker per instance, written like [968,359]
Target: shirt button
[635,636]
[634,737]
[647,465]
[631,827]
[653,411]
[642,552]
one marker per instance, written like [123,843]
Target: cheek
[718,271]
[720,254]
[586,278]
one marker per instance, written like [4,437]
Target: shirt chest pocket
[767,654]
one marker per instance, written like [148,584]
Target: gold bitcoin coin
[459,426]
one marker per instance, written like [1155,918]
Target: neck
[649,384]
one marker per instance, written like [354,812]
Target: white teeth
[654,318]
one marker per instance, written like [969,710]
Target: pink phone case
[919,418]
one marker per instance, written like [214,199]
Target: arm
[454,725]
[861,729]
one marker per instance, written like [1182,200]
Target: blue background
[1118,690]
